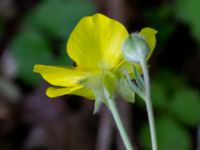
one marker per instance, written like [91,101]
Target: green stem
[149,104]
[118,121]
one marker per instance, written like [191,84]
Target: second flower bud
[135,48]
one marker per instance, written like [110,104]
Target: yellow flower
[95,46]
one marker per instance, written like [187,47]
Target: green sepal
[126,91]
[110,82]
[95,84]
[97,105]
[133,86]
[99,98]
[138,78]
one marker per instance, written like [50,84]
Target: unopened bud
[135,48]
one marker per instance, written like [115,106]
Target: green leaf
[170,135]
[50,20]
[159,95]
[159,17]
[186,106]
[187,12]
[30,49]
[63,58]
[59,17]
[171,81]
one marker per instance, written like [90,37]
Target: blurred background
[36,31]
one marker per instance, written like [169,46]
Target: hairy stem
[149,105]
[118,121]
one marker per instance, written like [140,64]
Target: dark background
[36,31]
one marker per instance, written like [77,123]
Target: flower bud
[135,48]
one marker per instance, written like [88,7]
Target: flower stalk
[149,104]
[118,121]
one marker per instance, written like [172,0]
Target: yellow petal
[96,42]
[60,76]
[76,90]
[150,35]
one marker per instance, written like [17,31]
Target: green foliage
[160,18]
[186,106]
[30,47]
[170,81]
[159,96]
[44,32]
[170,94]
[188,12]
[171,135]
[59,17]
[62,58]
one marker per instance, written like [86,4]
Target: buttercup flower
[95,45]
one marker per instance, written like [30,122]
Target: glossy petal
[76,90]
[60,76]
[150,35]
[95,43]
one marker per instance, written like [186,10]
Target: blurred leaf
[159,95]
[171,81]
[187,12]
[160,18]
[186,106]
[63,58]
[170,135]
[29,48]
[59,17]
[50,21]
